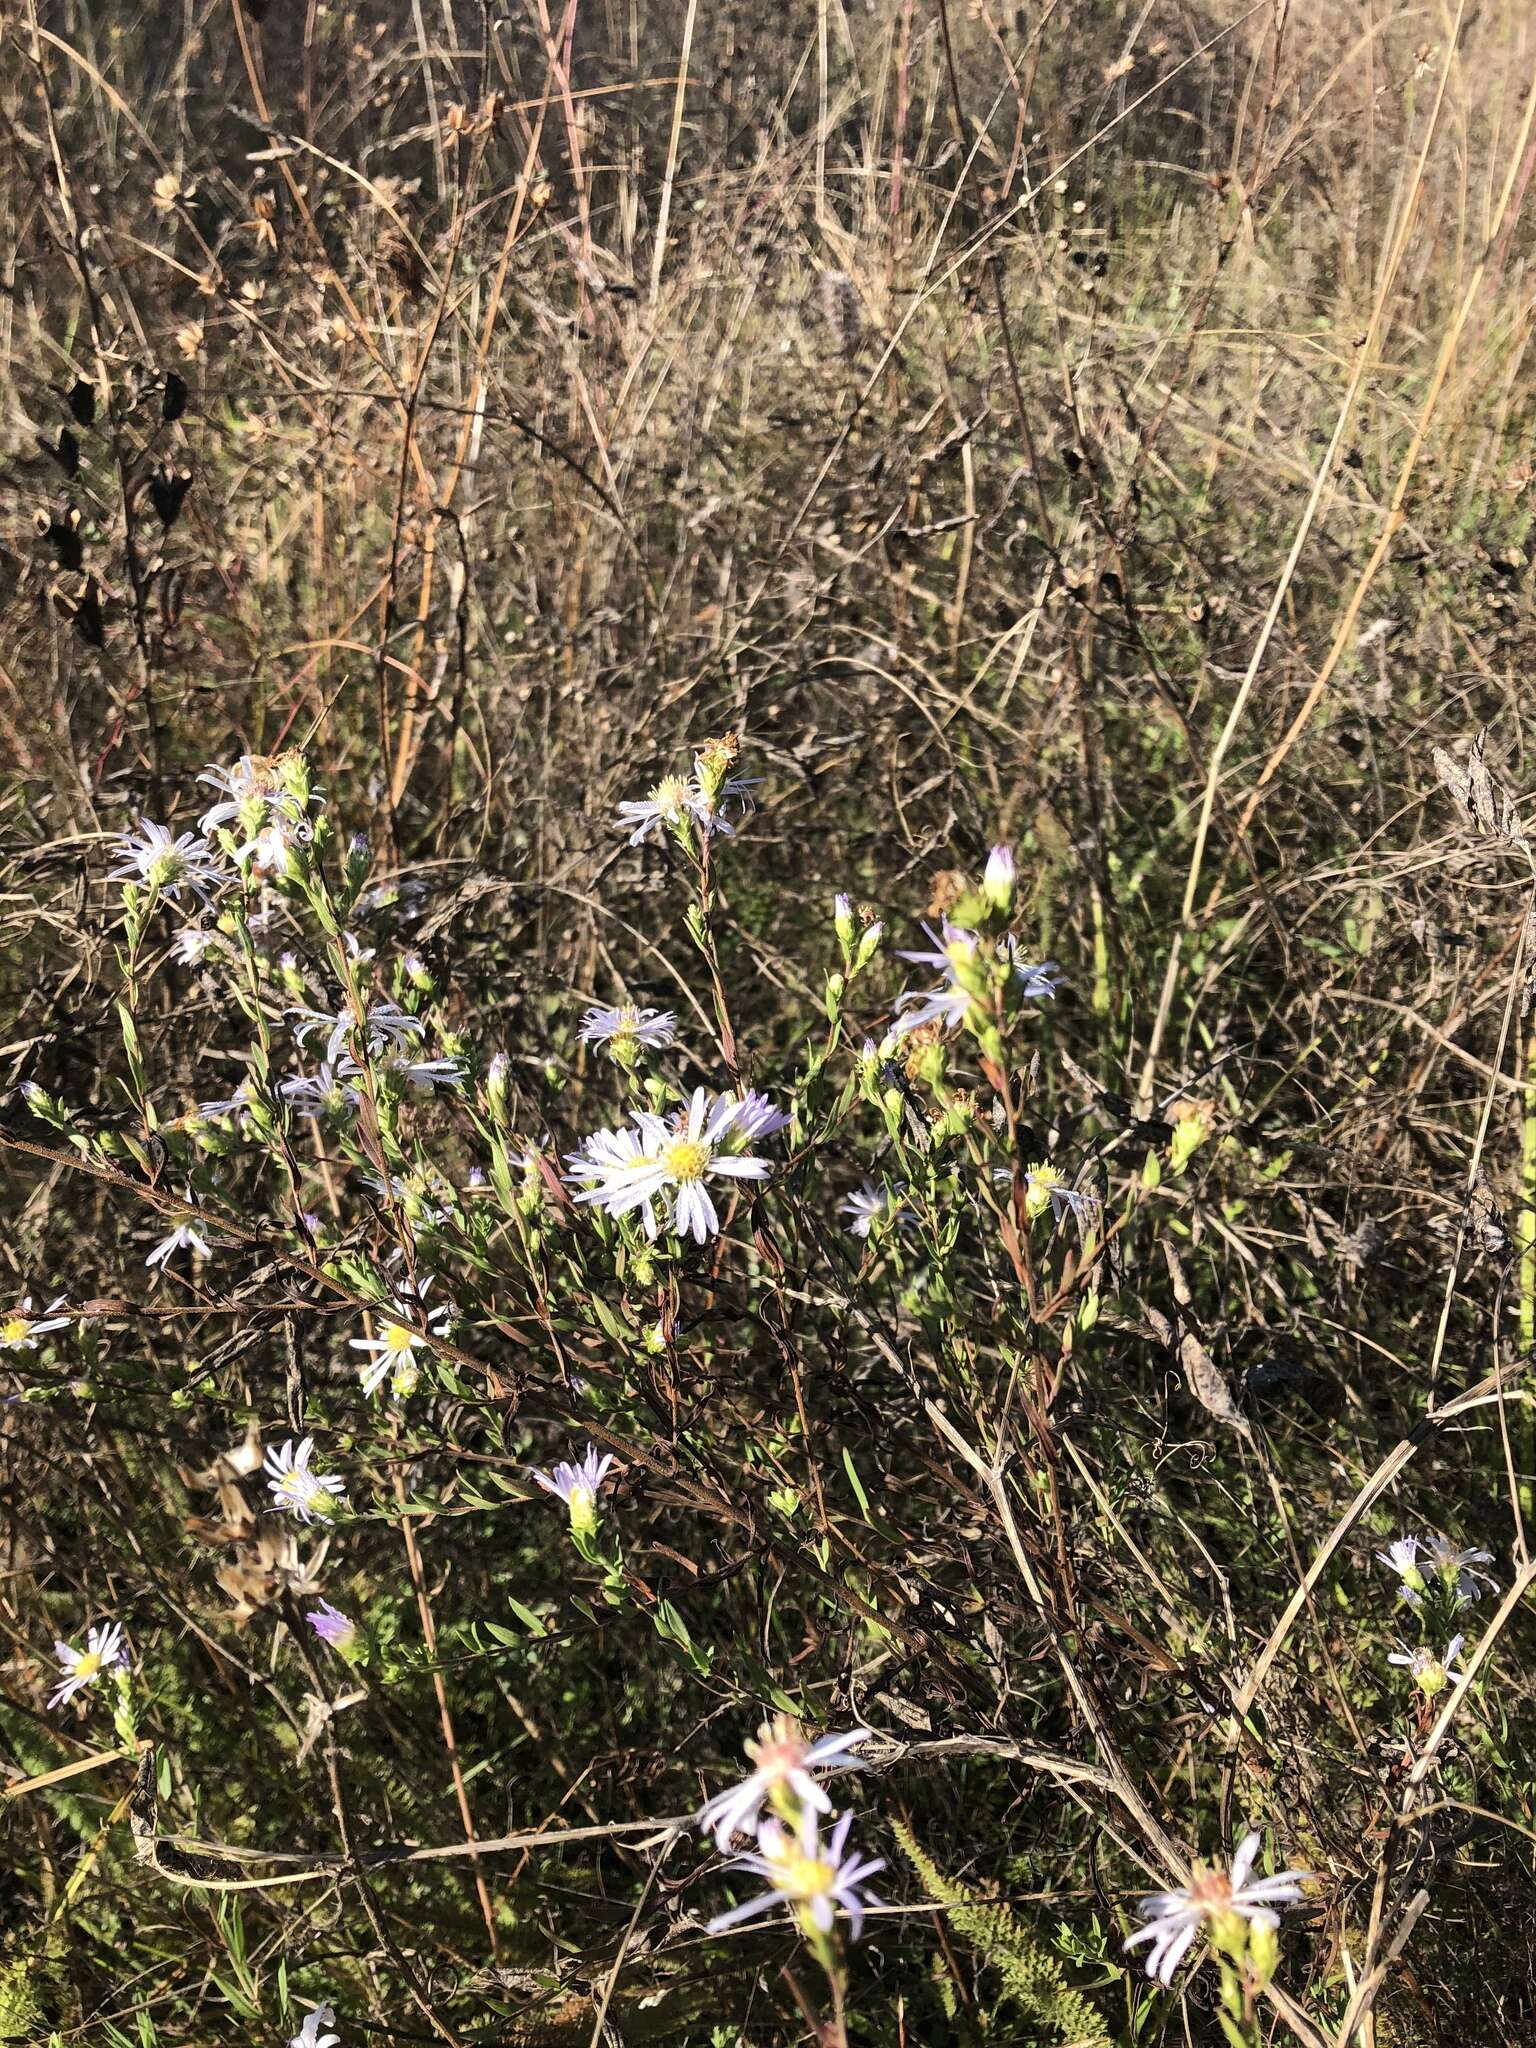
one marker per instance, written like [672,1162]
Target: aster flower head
[626,1030]
[257,788]
[1460,1569]
[1045,1187]
[310,2035]
[868,1207]
[20,1330]
[783,1758]
[678,1160]
[756,1117]
[425,1076]
[384,1027]
[409,1325]
[333,1627]
[1227,1905]
[194,942]
[329,1091]
[186,1237]
[296,1488]
[1402,1557]
[103,1651]
[1430,1673]
[167,862]
[668,808]
[578,1487]
[811,1878]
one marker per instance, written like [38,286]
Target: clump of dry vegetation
[1056,476]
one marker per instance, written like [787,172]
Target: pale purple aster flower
[948,1007]
[951,943]
[20,1330]
[426,1075]
[332,1626]
[166,861]
[578,1486]
[782,1759]
[867,1206]
[327,1092]
[756,1116]
[186,1237]
[1460,1567]
[1175,1918]
[385,1027]
[811,1879]
[707,810]
[103,1651]
[1431,1674]
[295,1488]
[309,2034]
[677,1164]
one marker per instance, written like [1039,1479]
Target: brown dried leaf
[1208,1386]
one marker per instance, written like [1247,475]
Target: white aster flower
[669,805]
[1431,1674]
[676,1166]
[295,1488]
[1402,1557]
[327,1092]
[20,1330]
[194,942]
[186,1237]
[103,1652]
[253,779]
[309,2034]
[625,1029]
[167,862]
[1045,1187]
[955,952]
[394,1349]
[425,1075]
[271,850]
[811,1879]
[783,1759]
[867,1206]
[385,1027]
[1175,1918]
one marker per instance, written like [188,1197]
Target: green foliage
[1030,1976]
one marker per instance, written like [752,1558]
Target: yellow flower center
[671,796]
[1038,1182]
[15,1330]
[803,1877]
[686,1159]
[88,1665]
[397,1337]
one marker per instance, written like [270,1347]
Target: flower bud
[869,944]
[843,922]
[999,882]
